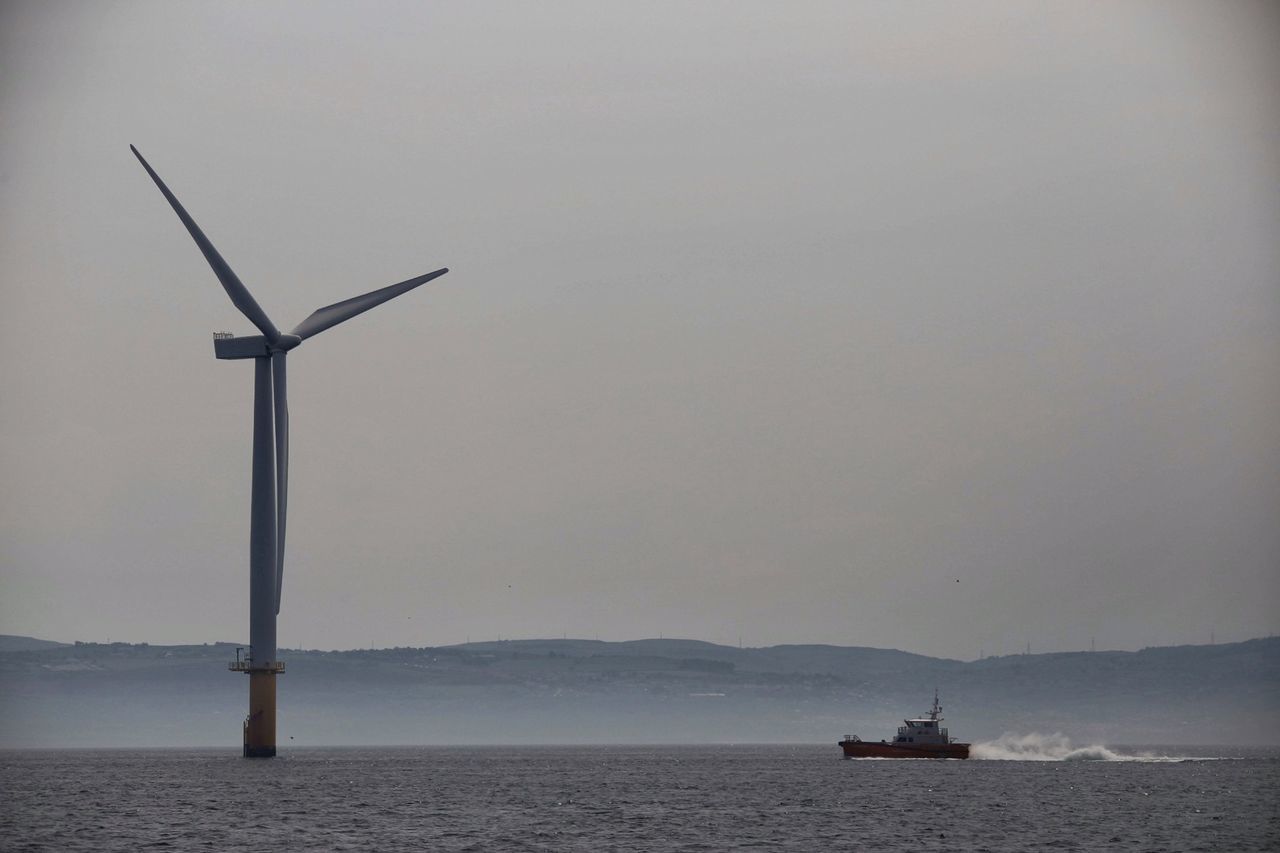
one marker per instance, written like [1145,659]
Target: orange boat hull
[863,749]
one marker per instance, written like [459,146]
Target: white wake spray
[1038,747]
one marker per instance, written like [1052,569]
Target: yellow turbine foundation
[260,725]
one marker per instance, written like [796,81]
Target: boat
[921,737]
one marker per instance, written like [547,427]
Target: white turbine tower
[270,463]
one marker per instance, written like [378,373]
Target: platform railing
[248,666]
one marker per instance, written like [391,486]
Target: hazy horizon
[482,641]
[557,691]
[945,328]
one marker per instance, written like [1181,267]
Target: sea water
[639,798]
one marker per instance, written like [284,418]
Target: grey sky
[948,327]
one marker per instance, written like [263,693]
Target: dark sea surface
[636,798]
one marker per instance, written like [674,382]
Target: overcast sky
[949,327]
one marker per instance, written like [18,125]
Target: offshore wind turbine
[270,462]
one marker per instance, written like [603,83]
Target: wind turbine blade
[239,294]
[332,315]
[280,405]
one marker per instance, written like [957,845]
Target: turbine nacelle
[251,346]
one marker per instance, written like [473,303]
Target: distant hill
[576,691]
[11,643]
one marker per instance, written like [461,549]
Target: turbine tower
[270,462]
